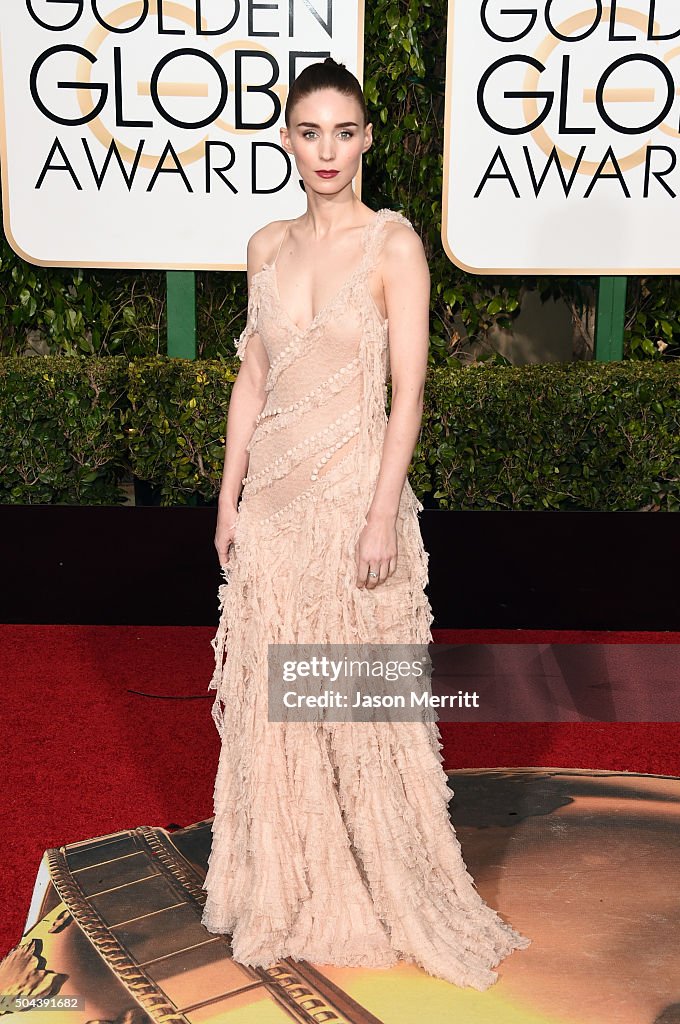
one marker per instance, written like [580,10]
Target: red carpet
[85,756]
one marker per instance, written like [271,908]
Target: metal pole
[610,318]
[181,317]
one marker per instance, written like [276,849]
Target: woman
[331,843]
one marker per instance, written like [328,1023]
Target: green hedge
[599,436]
[176,422]
[61,431]
[111,312]
[555,436]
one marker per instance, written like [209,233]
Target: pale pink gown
[331,842]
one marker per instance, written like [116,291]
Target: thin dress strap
[281,243]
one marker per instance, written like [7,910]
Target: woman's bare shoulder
[262,243]
[402,242]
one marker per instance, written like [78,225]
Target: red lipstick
[327,174]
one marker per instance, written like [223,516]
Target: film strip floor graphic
[585,862]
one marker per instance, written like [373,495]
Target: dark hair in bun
[326,74]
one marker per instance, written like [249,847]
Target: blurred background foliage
[73,312]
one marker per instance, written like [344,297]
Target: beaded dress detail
[331,842]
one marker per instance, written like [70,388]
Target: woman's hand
[376,551]
[227,517]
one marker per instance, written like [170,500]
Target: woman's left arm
[406,281]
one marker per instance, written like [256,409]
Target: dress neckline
[346,283]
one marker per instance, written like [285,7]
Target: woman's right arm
[248,397]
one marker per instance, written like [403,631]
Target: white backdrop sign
[561,136]
[146,133]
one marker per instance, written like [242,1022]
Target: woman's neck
[324,217]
